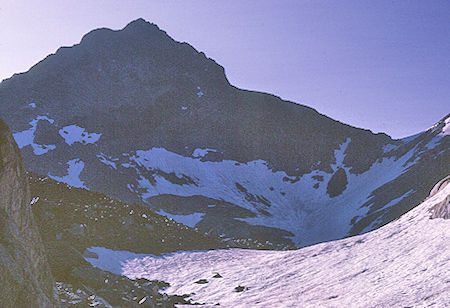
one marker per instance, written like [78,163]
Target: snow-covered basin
[405,263]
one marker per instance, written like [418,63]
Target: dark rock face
[46,133]
[220,218]
[26,280]
[132,85]
[337,183]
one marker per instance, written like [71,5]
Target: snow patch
[389,147]
[34,200]
[446,129]
[40,149]
[26,137]
[199,93]
[107,160]
[395,201]
[188,220]
[75,167]
[295,206]
[442,133]
[74,133]
[110,260]
[434,142]
[32,105]
[198,153]
[410,138]
[339,154]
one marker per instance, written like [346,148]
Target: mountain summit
[143,118]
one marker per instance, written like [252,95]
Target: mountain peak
[140,20]
[442,127]
[446,128]
[139,116]
[141,24]
[138,29]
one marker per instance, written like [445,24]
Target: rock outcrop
[25,279]
[441,209]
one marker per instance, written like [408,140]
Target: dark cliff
[25,279]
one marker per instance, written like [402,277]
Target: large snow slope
[405,263]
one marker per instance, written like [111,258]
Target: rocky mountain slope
[76,217]
[402,264]
[26,280]
[143,118]
[71,220]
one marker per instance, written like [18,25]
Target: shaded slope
[75,217]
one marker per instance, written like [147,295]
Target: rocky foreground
[29,264]
[25,278]
[73,219]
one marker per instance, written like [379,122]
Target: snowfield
[311,212]
[75,166]
[74,133]
[299,206]
[26,137]
[403,264]
[188,220]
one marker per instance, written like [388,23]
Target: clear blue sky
[381,65]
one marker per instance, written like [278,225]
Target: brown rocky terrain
[26,280]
